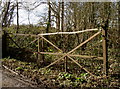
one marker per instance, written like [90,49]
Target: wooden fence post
[4,44]
[38,50]
[65,39]
[42,49]
[65,63]
[105,53]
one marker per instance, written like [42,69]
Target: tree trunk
[5,15]
[62,22]
[49,22]
[62,45]
[58,18]
[17,18]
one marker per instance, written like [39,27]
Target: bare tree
[17,16]
[5,14]
[62,18]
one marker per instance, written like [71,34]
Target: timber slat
[73,55]
[87,30]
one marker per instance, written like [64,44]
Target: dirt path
[12,80]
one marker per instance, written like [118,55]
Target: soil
[10,79]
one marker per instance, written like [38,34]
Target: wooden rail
[87,30]
[44,34]
[73,55]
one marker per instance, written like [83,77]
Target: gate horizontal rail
[73,55]
[44,34]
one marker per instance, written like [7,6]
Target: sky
[34,18]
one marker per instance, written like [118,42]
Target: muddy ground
[11,80]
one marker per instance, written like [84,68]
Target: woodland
[33,57]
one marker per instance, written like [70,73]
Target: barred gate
[68,54]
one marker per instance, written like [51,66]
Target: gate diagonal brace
[71,52]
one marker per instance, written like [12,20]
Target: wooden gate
[68,54]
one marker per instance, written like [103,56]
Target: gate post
[42,49]
[38,50]
[105,52]
[4,44]
[65,63]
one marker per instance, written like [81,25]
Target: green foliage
[83,74]
[71,79]
[47,56]
[8,59]
[50,50]
[56,77]
[19,68]
[64,75]
[45,71]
